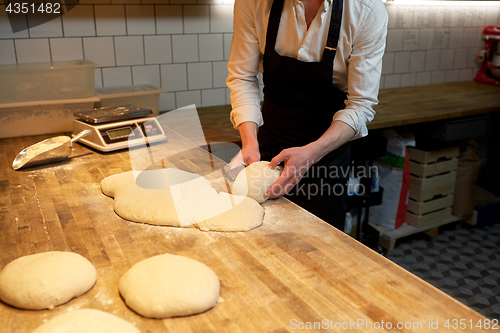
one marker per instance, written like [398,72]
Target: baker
[321,62]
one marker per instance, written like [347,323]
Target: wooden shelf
[388,237]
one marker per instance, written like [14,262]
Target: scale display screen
[119,133]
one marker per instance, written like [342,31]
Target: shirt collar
[326,3]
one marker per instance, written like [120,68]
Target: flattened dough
[169,285]
[45,280]
[255,180]
[86,321]
[180,199]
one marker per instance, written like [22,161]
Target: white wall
[183,45]
[434,42]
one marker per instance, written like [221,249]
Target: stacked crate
[432,184]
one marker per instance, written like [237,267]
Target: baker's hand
[250,154]
[250,145]
[297,161]
[244,158]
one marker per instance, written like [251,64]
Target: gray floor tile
[462,261]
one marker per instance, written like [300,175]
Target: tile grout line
[15,50]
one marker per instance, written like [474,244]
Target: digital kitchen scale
[114,128]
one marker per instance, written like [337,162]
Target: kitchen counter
[397,107]
[292,270]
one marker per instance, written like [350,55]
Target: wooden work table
[397,107]
[293,269]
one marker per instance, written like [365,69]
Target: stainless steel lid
[113,114]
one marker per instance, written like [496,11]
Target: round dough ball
[86,321]
[255,180]
[44,280]
[168,285]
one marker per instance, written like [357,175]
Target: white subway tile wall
[174,77]
[7,52]
[392,81]
[438,77]
[221,18]
[52,28]
[452,75]
[32,50]
[212,97]
[196,19]
[211,47]
[408,80]
[146,75]
[183,45]
[79,22]
[100,50]
[140,19]
[117,76]
[167,101]
[228,96]
[185,98]
[199,75]
[110,20]
[185,48]
[432,58]
[98,77]
[158,49]
[126,2]
[417,61]
[66,48]
[85,2]
[227,45]
[423,78]
[388,63]
[220,73]
[169,20]
[402,62]
[129,50]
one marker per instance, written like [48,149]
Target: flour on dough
[86,321]
[45,280]
[255,180]
[181,199]
[169,285]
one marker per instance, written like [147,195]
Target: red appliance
[490,56]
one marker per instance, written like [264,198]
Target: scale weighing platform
[114,128]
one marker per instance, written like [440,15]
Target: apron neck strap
[333,32]
[274,23]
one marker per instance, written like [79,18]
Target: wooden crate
[432,169]
[429,218]
[426,157]
[421,208]
[422,189]
[432,184]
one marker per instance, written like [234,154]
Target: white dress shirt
[356,69]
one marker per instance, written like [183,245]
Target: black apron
[299,103]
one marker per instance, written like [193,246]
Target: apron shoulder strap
[274,23]
[333,32]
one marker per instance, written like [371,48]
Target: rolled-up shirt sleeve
[243,67]
[364,70]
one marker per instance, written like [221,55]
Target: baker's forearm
[335,136]
[249,144]
[248,134]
